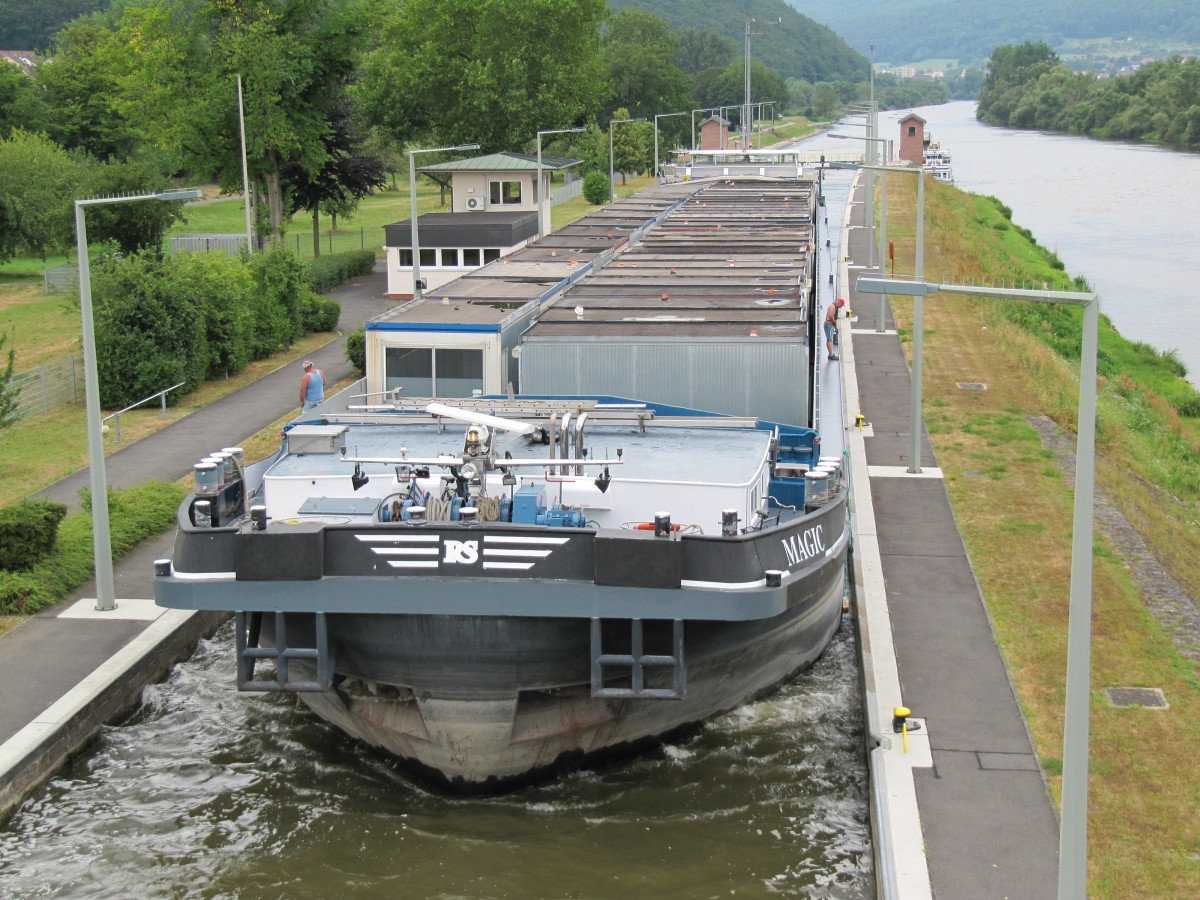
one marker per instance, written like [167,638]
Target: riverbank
[1013,506]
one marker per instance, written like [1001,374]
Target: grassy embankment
[1014,507]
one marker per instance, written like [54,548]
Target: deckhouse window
[433,372]
[506,193]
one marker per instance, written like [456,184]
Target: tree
[699,49]
[348,175]
[8,392]
[131,226]
[82,87]
[491,72]
[147,337]
[293,57]
[1012,67]
[632,144]
[638,51]
[21,105]
[39,183]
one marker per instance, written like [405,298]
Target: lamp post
[656,118]
[747,122]
[1072,841]
[870,168]
[106,594]
[538,192]
[412,200]
[612,187]
[245,173]
[914,459]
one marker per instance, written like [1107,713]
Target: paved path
[989,827]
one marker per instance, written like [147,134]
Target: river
[206,792]
[1121,215]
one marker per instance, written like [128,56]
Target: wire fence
[339,241]
[60,279]
[49,385]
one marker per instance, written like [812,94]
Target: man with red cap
[831,315]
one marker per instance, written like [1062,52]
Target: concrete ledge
[112,690]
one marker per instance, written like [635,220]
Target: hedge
[134,514]
[28,532]
[327,272]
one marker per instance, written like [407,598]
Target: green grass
[41,327]
[135,514]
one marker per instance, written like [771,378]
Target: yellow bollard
[900,716]
[859,420]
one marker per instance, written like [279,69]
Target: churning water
[206,792]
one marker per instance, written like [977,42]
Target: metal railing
[162,395]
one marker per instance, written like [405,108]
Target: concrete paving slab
[43,658]
[989,833]
[916,518]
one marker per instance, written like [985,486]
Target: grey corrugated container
[749,378]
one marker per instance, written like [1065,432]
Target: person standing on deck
[312,386]
[831,316]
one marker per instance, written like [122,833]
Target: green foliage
[220,288]
[281,286]
[27,532]
[319,313]
[632,144]
[8,393]
[596,189]
[796,47]
[21,104]
[1027,87]
[39,183]
[490,72]
[356,350]
[185,318]
[82,85]
[134,514]
[147,338]
[639,51]
[327,272]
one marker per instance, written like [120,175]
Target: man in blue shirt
[312,386]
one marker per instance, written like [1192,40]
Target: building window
[405,254]
[912,130]
[490,256]
[507,193]
[470,257]
[428,257]
[440,372]
[450,257]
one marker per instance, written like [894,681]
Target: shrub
[320,313]
[147,338]
[134,514]
[356,350]
[596,189]
[28,532]
[281,284]
[221,288]
[327,272]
